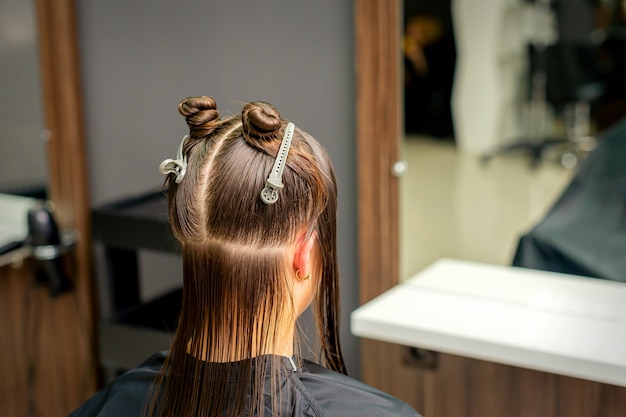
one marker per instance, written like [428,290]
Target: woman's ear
[302,256]
[303,286]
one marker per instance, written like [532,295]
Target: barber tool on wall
[48,249]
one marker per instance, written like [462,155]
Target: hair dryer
[47,250]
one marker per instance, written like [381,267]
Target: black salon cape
[315,392]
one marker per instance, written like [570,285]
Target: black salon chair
[584,233]
[573,86]
[564,77]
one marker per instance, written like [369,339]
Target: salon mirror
[467,91]
[23,167]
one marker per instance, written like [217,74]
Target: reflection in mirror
[467,92]
[22,154]
[429,55]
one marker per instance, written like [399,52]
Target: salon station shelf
[132,328]
[555,323]
[138,222]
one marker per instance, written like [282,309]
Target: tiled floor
[452,206]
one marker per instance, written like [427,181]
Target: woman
[252,200]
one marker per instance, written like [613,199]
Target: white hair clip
[176,166]
[274,182]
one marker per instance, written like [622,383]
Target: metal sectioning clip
[176,166]
[274,181]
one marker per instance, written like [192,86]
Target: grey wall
[139,59]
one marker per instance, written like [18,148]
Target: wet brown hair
[236,264]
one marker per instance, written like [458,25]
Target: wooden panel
[48,345]
[378,134]
[384,367]
[378,131]
[612,401]
[536,393]
[446,387]
[489,387]
[68,187]
[463,387]
[377,25]
[40,348]
[15,349]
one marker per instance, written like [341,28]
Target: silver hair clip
[274,182]
[176,166]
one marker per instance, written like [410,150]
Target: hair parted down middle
[236,261]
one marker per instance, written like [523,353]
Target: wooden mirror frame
[67,372]
[378,137]
[379,114]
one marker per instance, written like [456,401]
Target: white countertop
[14,226]
[562,324]
[13,212]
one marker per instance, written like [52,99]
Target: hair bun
[199,113]
[260,120]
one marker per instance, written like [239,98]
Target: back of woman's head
[237,247]
[229,161]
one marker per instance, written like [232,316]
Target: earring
[305,278]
